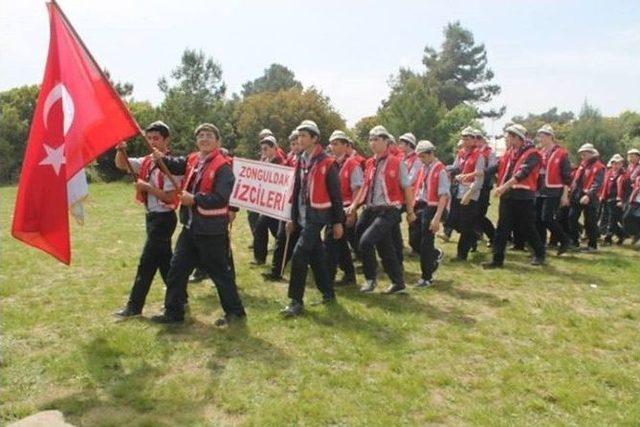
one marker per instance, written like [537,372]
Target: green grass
[522,345]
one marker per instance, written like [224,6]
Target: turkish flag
[78,116]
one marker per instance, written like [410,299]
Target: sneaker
[368,286]
[438,260]
[294,308]
[394,289]
[127,312]
[423,283]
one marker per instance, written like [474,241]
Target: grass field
[522,346]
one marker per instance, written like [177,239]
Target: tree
[447,131]
[360,132]
[561,122]
[16,111]
[591,127]
[459,72]
[194,94]
[281,112]
[124,89]
[276,77]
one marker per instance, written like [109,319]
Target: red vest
[502,165]
[291,159]
[635,190]
[485,150]
[349,164]
[634,172]
[410,160]
[392,190]
[611,179]
[395,151]
[318,191]
[432,180]
[553,166]
[531,181]
[468,165]
[145,174]
[589,173]
[214,161]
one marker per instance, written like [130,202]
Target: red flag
[78,116]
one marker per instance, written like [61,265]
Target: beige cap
[409,138]
[469,131]
[616,158]
[207,126]
[338,134]
[264,132]
[310,126]
[547,129]
[425,146]
[588,147]
[380,131]
[634,151]
[293,135]
[269,139]
[518,130]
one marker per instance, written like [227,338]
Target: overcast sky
[544,53]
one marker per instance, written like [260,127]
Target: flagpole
[160,162]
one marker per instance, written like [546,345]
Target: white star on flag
[55,157]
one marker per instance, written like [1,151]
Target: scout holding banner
[263,187]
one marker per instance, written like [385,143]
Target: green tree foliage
[447,131]
[194,94]
[16,111]
[458,72]
[360,132]
[281,112]
[591,127]
[275,78]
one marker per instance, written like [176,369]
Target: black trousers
[338,254]
[614,218]
[415,228]
[156,255]
[263,226]
[376,230]
[485,226]
[427,248]
[252,218]
[210,252]
[279,250]
[631,219]
[516,214]
[590,222]
[467,219]
[309,251]
[547,219]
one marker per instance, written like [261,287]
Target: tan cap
[409,138]
[518,130]
[588,147]
[425,146]
[468,131]
[547,129]
[380,131]
[338,134]
[270,139]
[634,151]
[264,132]
[207,126]
[310,126]
[293,135]
[157,126]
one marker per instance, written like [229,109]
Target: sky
[544,53]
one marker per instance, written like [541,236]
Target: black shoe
[228,319]
[197,276]
[293,309]
[394,289]
[128,312]
[164,319]
[492,265]
[271,277]
[346,281]
[256,262]
[537,261]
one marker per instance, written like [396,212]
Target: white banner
[263,187]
